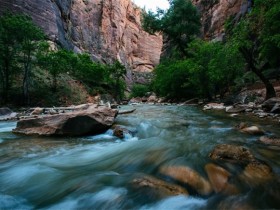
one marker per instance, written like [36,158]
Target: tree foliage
[210,70]
[257,37]
[180,23]
[23,49]
[19,41]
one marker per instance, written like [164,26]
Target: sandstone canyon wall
[107,29]
[214,14]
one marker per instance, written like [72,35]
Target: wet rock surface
[188,176]
[157,187]
[271,140]
[219,179]
[92,120]
[120,132]
[255,172]
[232,153]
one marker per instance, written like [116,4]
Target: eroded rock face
[106,29]
[93,120]
[214,14]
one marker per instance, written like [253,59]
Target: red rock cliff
[107,29]
[214,14]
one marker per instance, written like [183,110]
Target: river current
[95,172]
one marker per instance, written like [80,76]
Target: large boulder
[93,120]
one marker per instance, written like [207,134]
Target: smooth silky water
[95,172]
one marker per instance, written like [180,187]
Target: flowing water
[95,172]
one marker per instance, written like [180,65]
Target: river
[95,172]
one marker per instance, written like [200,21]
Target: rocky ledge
[91,119]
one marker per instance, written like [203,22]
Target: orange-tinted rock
[257,173]
[219,177]
[158,187]
[188,176]
[232,153]
[214,14]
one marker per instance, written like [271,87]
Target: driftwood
[126,111]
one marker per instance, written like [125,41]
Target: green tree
[30,39]
[19,40]
[117,72]
[220,64]
[91,73]
[174,79]
[180,23]
[257,37]
[9,48]
[139,90]
[56,63]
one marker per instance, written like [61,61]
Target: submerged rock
[219,179]
[157,187]
[186,175]
[270,140]
[257,173]
[232,153]
[120,132]
[90,121]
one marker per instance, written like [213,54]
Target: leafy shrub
[139,90]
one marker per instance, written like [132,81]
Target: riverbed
[96,172]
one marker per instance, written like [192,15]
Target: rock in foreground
[93,120]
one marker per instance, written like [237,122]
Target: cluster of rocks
[268,109]
[221,177]
[150,98]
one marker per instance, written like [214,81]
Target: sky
[152,4]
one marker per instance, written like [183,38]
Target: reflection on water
[95,172]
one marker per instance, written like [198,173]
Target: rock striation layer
[215,13]
[106,29]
